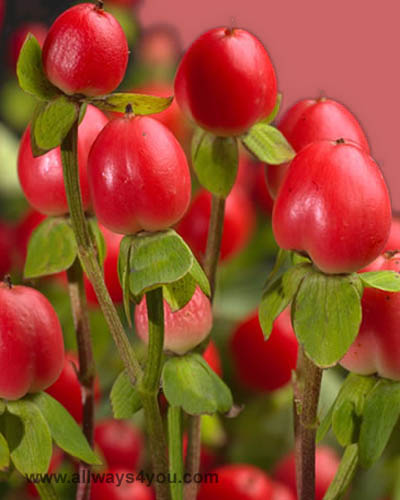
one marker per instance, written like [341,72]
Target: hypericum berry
[32,347]
[282,492]
[211,355]
[226,81]
[120,484]
[7,241]
[312,120]
[17,39]
[85,51]
[237,482]
[264,365]
[42,178]
[110,269]
[326,466]
[67,389]
[239,222]
[393,242]
[333,205]
[377,346]
[183,329]
[120,443]
[138,175]
[24,230]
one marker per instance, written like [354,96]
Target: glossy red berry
[110,268]
[377,346]
[393,242]
[282,492]
[7,242]
[120,443]
[326,466]
[85,51]
[120,484]
[32,350]
[333,205]
[67,390]
[17,39]
[138,175]
[239,222]
[237,482]
[312,120]
[42,179]
[264,365]
[226,81]
[183,329]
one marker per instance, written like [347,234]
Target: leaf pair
[151,260]
[28,427]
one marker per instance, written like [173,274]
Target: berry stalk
[306,388]
[211,259]
[87,368]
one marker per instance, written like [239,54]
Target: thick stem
[175,451]
[87,253]
[150,386]
[86,364]
[307,385]
[211,259]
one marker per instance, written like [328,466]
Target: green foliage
[142,104]
[268,144]
[125,399]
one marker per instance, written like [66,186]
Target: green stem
[211,260]
[88,255]
[175,452]
[307,386]
[149,389]
[87,369]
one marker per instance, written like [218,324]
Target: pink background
[346,49]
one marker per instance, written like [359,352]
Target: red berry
[393,242]
[183,329]
[138,175]
[238,223]
[67,390]
[282,492]
[17,39]
[237,482]
[211,355]
[85,51]
[160,46]
[42,179]
[314,120]
[265,365]
[226,81]
[119,484]
[120,443]
[32,350]
[377,346]
[7,240]
[110,269]
[326,465]
[334,205]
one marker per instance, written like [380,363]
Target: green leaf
[4,454]
[353,393]
[175,452]
[271,117]
[344,474]
[2,406]
[279,294]
[124,275]
[99,240]
[268,144]
[215,161]
[389,281]
[125,399]
[157,259]
[179,293]
[142,104]
[190,383]
[30,73]
[199,276]
[326,316]
[65,431]
[31,452]
[52,248]
[53,121]
[382,410]
[282,263]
